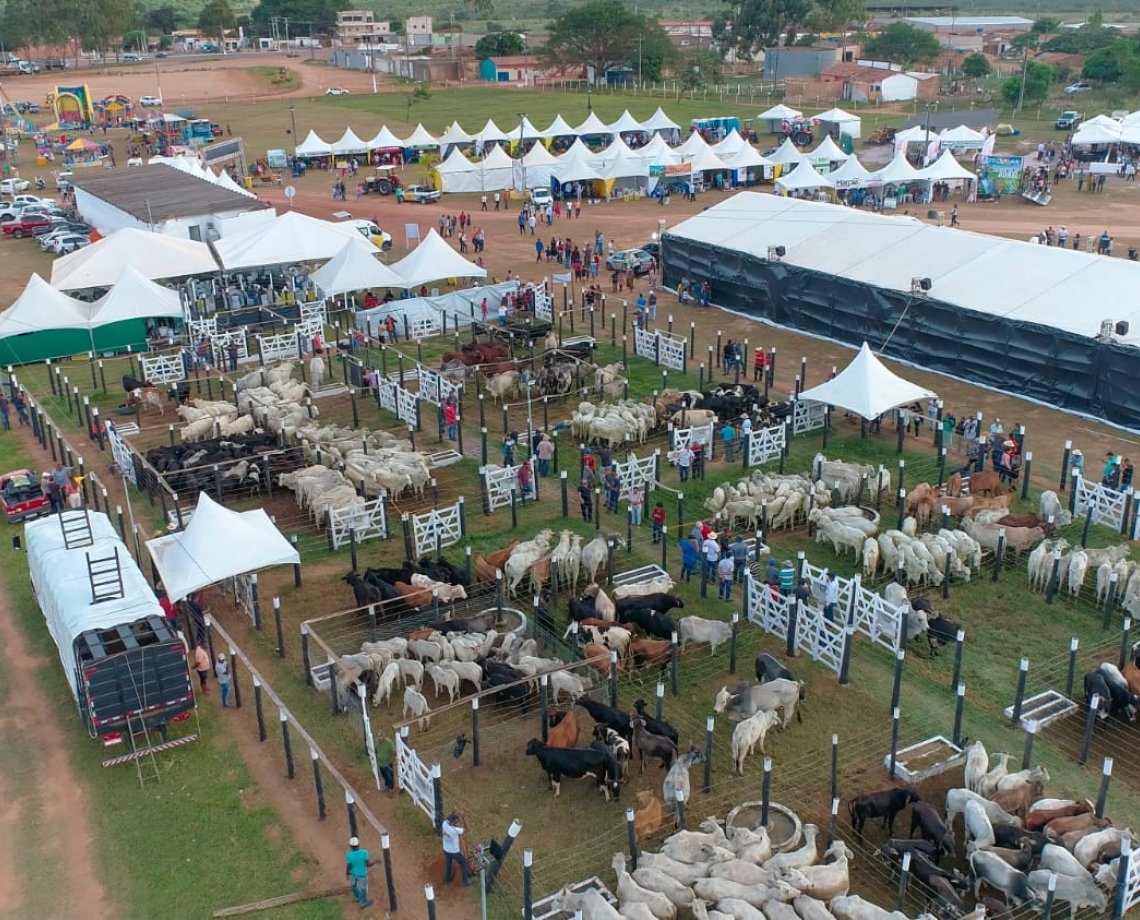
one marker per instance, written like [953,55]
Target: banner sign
[999,175]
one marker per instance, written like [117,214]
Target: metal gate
[768,612]
[368,521]
[220,344]
[280,347]
[1128,886]
[414,776]
[315,311]
[543,306]
[817,578]
[162,368]
[881,622]
[436,389]
[808,415]
[822,639]
[638,473]
[673,350]
[439,527]
[645,343]
[500,482]
[425,326]
[245,595]
[202,327]
[400,402]
[686,437]
[1108,505]
[124,459]
[764,444]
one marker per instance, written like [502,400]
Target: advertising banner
[999,175]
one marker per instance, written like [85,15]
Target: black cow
[582,608]
[451,574]
[660,603]
[386,589]
[607,715]
[1096,685]
[130,384]
[576,763]
[941,632]
[1010,835]
[769,668]
[896,846]
[656,726]
[654,624]
[925,818]
[509,686]
[1124,701]
[885,804]
[364,592]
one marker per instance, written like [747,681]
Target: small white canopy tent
[826,153]
[626,123]
[693,145]
[1130,131]
[133,296]
[898,171]
[656,152]
[777,115]
[748,158]
[355,268]
[1096,134]
[558,128]
[525,130]
[349,144]
[1106,120]
[577,165]
[592,126]
[707,161]
[290,237]
[961,138]
[788,154]
[539,165]
[867,388]
[40,307]
[804,178]
[661,122]
[849,124]
[946,169]
[852,174]
[455,135]
[421,137]
[218,544]
[490,173]
[225,180]
[153,255]
[385,140]
[490,132]
[313,146]
[433,260]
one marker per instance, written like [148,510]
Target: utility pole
[522,121]
[1024,71]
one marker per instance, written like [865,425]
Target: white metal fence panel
[424,326]
[438,527]
[316,310]
[765,444]
[1128,892]
[809,415]
[500,482]
[673,349]
[1108,505]
[197,328]
[308,327]
[279,347]
[414,776]
[245,594]
[645,343]
[400,402]
[767,611]
[881,622]
[436,389]
[638,473]
[369,522]
[817,579]
[162,368]
[543,306]
[687,437]
[121,453]
[220,343]
[822,639]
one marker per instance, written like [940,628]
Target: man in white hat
[356,863]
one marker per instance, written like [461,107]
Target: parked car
[150,100]
[33,108]
[638,260]
[55,221]
[69,242]
[421,194]
[25,225]
[1073,88]
[22,496]
[14,186]
[336,91]
[131,58]
[653,247]
[541,197]
[372,233]
[1069,120]
[25,200]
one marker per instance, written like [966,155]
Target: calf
[660,603]
[617,745]
[607,715]
[581,608]
[924,817]
[364,592]
[654,624]
[147,397]
[1001,876]
[563,731]
[896,846]
[769,668]
[940,632]
[577,763]
[657,726]
[698,629]
[648,744]
[651,651]
[885,804]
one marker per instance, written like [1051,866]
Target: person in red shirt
[524,480]
[164,603]
[758,366]
[658,518]
[451,420]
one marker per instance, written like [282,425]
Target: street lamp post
[522,123]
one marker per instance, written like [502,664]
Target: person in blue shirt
[689,556]
[728,435]
[356,863]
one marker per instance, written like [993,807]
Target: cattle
[775,694]
[648,744]
[652,623]
[657,726]
[648,820]
[659,603]
[364,592]
[924,818]
[1124,701]
[768,668]
[999,875]
[1079,892]
[147,398]
[698,629]
[651,651]
[563,731]
[617,745]
[940,632]
[987,482]
[608,715]
[748,733]
[577,763]
[885,804]
[582,608]
[1038,818]
[415,704]
[956,800]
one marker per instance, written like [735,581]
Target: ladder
[76,527]
[142,752]
[105,576]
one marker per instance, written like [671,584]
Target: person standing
[232,353]
[452,831]
[451,420]
[787,576]
[830,597]
[5,408]
[724,571]
[728,435]
[711,550]
[21,408]
[222,672]
[685,461]
[636,505]
[385,757]
[758,365]
[658,519]
[524,481]
[356,863]
[690,554]
[202,666]
[545,453]
[586,497]
[612,482]
[739,552]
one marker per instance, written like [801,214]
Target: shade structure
[489,173]
[898,170]
[82,145]
[946,169]
[656,152]
[218,544]
[455,135]
[153,255]
[577,164]
[225,180]
[962,138]
[385,140]
[558,128]
[852,174]
[748,158]
[804,178]
[659,121]
[692,145]
[826,153]
[626,123]
[592,126]
[420,138]
[916,135]
[1096,134]
[524,130]
[133,296]
[1130,132]
[788,154]
[490,132]
[780,112]
[535,168]
[290,237]
[867,388]
[619,162]
[39,307]
[848,123]
[1106,120]
[730,145]
[349,143]
[313,146]
[433,260]
[355,268]
[707,161]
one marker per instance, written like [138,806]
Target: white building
[417,30]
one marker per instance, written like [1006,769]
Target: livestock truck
[125,662]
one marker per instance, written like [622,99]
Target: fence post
[894,740]
[845,662]
[793,623]
[1027,753]
[710,724]
[732,641]
[1025,473]
[1090,724]
[1105,780]
[475,730]
[277,625]
[305,654]
[322,811]
[437,796]
[904,877]
[1065,458]
[673,664]
[290,771]
[429,894]
[1123,872]
[631,837]
[1125,630]
[959,705]
[528,862]
[1050,896]
[834,765]
[999,556]
[234,677]
[959,641]
[1022,674]
[389,879]
[766,792]
[1074,644]
[896,688]
[613,678]
[1054,583]
[1109,602]
[834,820]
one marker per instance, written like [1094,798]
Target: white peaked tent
[660,122]
[693,145]
[962,138]
[490,132]
[313,146]
[433,260]
[626,123]
[525,130]
[492,172]
[153,255]
[619,162]
[40,307]
[218,544]
[898,170]
[656,152]
[867,388]
[779,113]
[946,169]
[1097,134]
[225,180]
[592,126]
[133,296]
[849,124]
[349,144]
[355,268]
[788,154]
[748,158]
[558,128]
[707,161]
[539,165]
[290,237]
[384,140]
[577,164]
[804,178]
[852,174]
[455,135]
[421,137]
[826,153]
[1106,120]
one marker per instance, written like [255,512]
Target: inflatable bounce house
[113,110]
[73,107]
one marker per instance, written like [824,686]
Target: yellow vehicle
[371,232]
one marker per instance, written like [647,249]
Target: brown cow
[1036,820]
[954,485]
[1023,520]
[987,482]
[499,558]
[1058,827]
[651,651]
[647,821]
[563,729]
[1017,801]
[484,571]
[417,597]
[1131,672]
[957,506]
[598,658]
[987,504]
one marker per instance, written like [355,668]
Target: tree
[902,44]
[655,53]
[95,22]
[162,19]
[1038,78]
[763,23]
[217,18]
[135,40]
[599,34]
[319,15]
[1043,24]
[976,66]
[702,69]
[499,44]
[837,15]
[421,92]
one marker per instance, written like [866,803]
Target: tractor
[800,130]
[385,182]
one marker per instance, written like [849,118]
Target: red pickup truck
[22,496]
[25,225]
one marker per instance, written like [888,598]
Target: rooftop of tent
[159,192]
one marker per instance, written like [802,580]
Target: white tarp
[63,587]
[291,237]
[433,260]
[852,174]
[592,126]
[457,306]
[355,268]
[826,153]
[788,154]
[385,140]
[40,306]
[490,132]
[313,146]
[659,121]
[626,124]
[455,135]
[1096,134]
[153,255]
[779,112]
[218,544]
[558,128]
[134,297]
[962,138]
[577,164]
[867,388]
[898,171]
